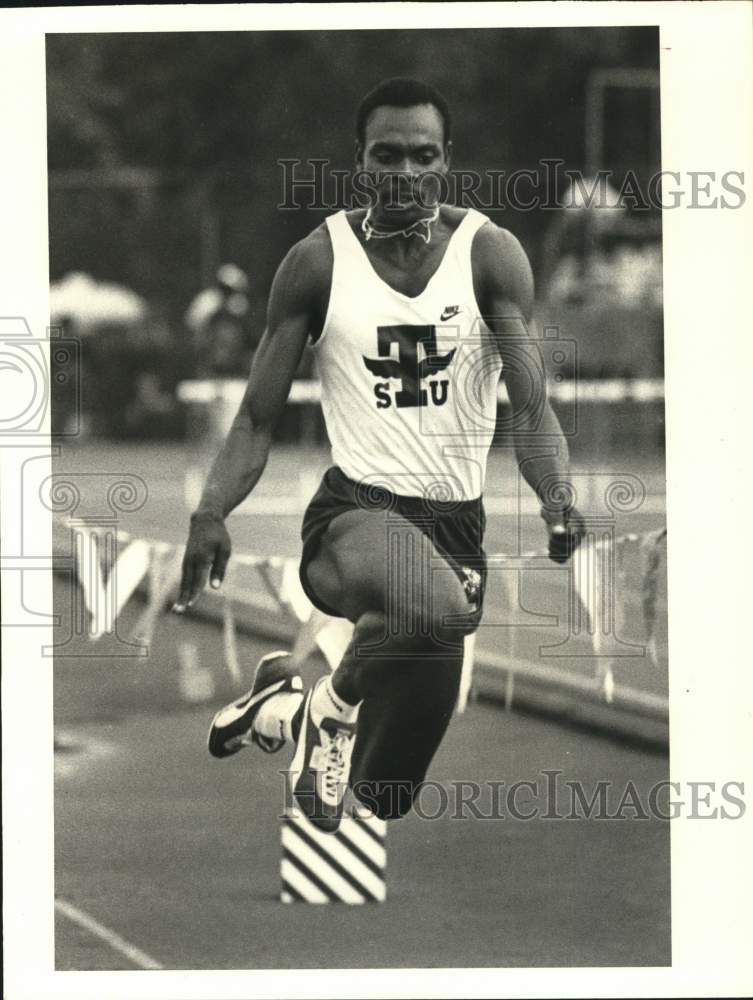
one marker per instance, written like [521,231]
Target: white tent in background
[90,303]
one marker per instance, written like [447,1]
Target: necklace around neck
[420,228]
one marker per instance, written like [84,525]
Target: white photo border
[707,110]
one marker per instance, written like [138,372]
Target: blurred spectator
[218,320]
[574,238]
[601,277]
[129,383]
[156,367]
[595,251]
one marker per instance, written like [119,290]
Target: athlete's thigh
[375,561]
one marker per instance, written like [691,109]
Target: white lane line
[117,943]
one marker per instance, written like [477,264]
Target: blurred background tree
[164,149]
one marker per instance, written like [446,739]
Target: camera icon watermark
[545,365]
[39,374]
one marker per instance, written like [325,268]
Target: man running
[414,308]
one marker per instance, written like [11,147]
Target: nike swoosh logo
[227,716]
[449,312]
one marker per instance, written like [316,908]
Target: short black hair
[401,92]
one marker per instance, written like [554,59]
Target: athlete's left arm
[504,291]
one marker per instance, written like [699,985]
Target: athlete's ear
[359,154]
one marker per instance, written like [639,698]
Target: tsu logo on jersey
[408,369]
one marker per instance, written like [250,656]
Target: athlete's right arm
[294,311]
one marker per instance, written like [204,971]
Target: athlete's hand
[566,529]
[207,551]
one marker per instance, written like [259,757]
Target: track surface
[177,854]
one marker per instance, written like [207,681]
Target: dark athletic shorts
[455,527]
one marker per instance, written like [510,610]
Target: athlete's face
[405,151]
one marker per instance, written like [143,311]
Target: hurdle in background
[349,866]
[219,399]
[151,569]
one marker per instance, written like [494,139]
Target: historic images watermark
[549,797]
[314,184]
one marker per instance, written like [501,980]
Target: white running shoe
[232,727]
[320,769]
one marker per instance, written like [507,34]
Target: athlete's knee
[436,611]
[439,625]
[380,634]
[387,800]
[360,592]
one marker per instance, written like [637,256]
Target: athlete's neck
[409,222]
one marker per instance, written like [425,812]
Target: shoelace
[338,753]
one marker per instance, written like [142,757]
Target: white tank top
[409,385]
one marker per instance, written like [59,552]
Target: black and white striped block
[348,866]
